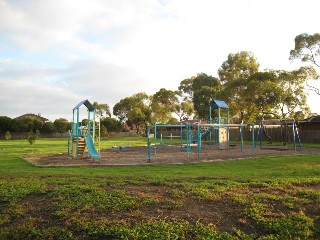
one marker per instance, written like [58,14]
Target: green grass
[263,198]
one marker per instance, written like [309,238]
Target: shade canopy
[216,104]
[86,103]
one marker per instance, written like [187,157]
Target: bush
[32,137]
[7,136]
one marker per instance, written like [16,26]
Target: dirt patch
[173,154]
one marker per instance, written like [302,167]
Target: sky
[54,54]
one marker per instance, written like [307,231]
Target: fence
[24,135]
[276,134]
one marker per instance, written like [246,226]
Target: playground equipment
[84,136]
[192,134]
[289,132]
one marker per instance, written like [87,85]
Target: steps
[81,146]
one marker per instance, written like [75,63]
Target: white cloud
[108,50]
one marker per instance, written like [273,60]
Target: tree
[205,87]
[61,125]
[184,110]
[7,136]
[307,49]
[163,104]
[200,90]
[260,96]
[102,109]
[5,124]
[293,96]
[48,127]
[32,137]
[233,73]
[186,89]
[238,66]
[134,110]
[19,126]
[111,124]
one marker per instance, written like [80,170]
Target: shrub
[7,136]
[32,137]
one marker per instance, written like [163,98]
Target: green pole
[252,132]
[77,134]
[199,141]
[148,143]
[241,137]
[69,142]
[89,125]
[181,129]
[155,138]
[219,121]
[188,139]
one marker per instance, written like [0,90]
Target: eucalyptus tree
[307,49]
[233,74]
[276,93]
[238,66]
[184,109]
[134,110]
[200,90]
[102,110]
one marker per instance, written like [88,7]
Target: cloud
[56,53]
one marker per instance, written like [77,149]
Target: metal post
[69,134]
[252,132]
[148,143]
[188,139]
[155,138]
[199,141]
[241,137]
[294,136]
[181,131]
[77,134]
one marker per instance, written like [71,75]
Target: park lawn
[263,198]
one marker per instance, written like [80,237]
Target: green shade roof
[86,103]
[216,104]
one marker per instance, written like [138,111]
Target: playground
[168,155]
[196,143]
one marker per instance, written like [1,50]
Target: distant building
[311,123]
[38,117]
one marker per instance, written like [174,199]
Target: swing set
[288,129]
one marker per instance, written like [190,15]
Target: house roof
[313,119]
[32,116]
[86,103]
[216,104]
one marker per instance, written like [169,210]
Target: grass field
[264,198]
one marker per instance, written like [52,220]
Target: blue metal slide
[91,149]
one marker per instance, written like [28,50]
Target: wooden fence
[276,134]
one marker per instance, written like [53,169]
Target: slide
[91,149]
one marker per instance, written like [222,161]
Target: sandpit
[168,154]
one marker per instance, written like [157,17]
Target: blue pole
[181,129]
[241,137]
[77,134]
[199,141]
[148,143]
[252,132]
[155,138]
